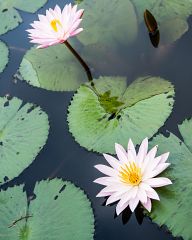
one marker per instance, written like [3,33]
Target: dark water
[63,157]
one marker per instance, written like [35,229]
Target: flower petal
[142,151]
[121,153]
[147,205]
[158,182]
[106,181]
[112,161]
[106,170]
[133,204]
[131,149]
[120,209]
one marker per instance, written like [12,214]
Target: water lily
[132,177]
[56,26]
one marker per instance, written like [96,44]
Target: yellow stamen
[130,173]
[54,24]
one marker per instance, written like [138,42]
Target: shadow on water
[63,157]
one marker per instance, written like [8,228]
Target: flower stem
[82,62]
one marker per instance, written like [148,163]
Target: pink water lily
[132,177]
[56,26]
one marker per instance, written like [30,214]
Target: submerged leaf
[175,204]
[59,211]
[134,112]
[53,68]
[108,22]
[10,17]
[23,132]
[170,15]
[4,56]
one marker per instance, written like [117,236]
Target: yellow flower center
[130,173]
[54,24]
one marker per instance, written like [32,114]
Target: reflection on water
[62,156]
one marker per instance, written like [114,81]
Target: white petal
[106,181]
[158,182]
[147,205]
[115,197]
[133,204]
[142,195]
[112,161]
[153,194]
[142,151]
[148,159]
[120,209]
[164,157]
[103,194]
[131,148]
[128,195]
[121,153]
[159,169]
[106,170]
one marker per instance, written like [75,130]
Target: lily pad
[109,113]
[108,22]
[59,211]
[171,15]
[174,209]
[23,132]
[4,56]
[10,17]
[53,68]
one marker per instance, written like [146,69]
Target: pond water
[62,156]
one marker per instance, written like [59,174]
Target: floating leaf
[59,211]
[23,132]
[174,209]
[171,16]
[108,22]
[10,17]
[110,113]
[4,56]
[53,68]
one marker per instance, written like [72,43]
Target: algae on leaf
[59,211]
[53,68]
[23,132]
[116,113]
[174,208]
[4,56]
[10,17]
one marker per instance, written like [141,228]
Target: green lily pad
[108,22]
[109,113]
[174,209]
[53,68]
[23,132]
[4,56]
[10,17]
[59,211]
[171,16]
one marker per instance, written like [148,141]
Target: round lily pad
[10,17]
[23,132]
[4,56]
[174,207]
[60,210]
[112,112]
[53,68]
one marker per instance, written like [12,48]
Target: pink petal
[164,157]
[115,197]
[76,32]
[159,169]
[153,194]
[141,194]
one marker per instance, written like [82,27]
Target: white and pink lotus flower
[131,178]
[56,26]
